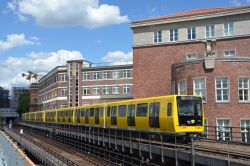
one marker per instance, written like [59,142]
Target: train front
[190,115]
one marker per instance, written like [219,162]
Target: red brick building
[202,52]
[81,82]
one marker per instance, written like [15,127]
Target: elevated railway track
[130,148]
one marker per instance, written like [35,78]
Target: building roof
[193,12]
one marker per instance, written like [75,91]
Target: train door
[114,115]
[107,118]
[69,116]
[87,115]
[169,117]
[131,115]
[78,113]
[154,112]
[97,115]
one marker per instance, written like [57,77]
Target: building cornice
[189,18]
[217,59]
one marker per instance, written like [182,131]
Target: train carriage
[178,114]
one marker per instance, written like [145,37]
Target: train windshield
[189,110]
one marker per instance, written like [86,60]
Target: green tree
[23,103]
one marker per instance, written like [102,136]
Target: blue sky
[39,35]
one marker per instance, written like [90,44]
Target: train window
[101,111]
[154,109]
[122,110]
[82,112]
[108,111]
[92,111]
[169,109]
[113,111]
[87,112]
[142,110]
[97,112]
[131,110]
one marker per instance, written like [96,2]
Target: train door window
[82,112]
[131,115]
[154,115]
[142,110]
[122,110]
[169,112]
[113,115]
[101,111]
[97,116]
[87,115]
[92,111]
[108,111]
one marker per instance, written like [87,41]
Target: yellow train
[172,114]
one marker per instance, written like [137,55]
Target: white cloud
[41,63]
[118,57]
[236,2]
[56,13]
[17,40]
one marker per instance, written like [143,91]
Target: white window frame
[248,89]
[222,88]
[96,75]
[228,28]
[210,30]
[157,36]
[244,131]
[115,90]
[86,76]
[200,89]
[175,35]
[193,56]
[95,90]
[105,90]
[127,73]
[63,77]
[229,53]
[86,91]
[116,74]
[105,75]
[223,128]
[126,89]
[192,31]
[63,92]
[179,88]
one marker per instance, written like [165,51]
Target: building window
[105,75]
[96,90]
[199,86]
[63,77]
[191,33]
[96,75]
[191,56]
[173,35]
[115,74]
[245,130]
[126,73]
[64,106]
[210,31]
[182,87]
[244,89]
[157,37]
[86,91]
[86,76]
[223,129]
[222,89]
[115,90]
[228,28]
[63,92]
[126,89]
[229,53]
[105,90]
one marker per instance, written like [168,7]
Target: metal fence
[227,133]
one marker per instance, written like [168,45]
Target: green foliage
[23,103]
